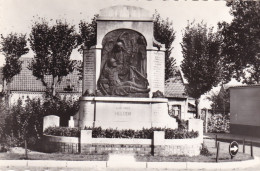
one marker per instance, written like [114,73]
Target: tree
[201,63]
[23,122]
[13,47]
[241,42]
[220,102]
[53,46]
[164,33]
[88,33]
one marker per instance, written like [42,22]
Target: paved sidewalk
[227,137]
[51,164]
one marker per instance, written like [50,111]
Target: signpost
[233,149]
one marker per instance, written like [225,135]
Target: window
[175,111]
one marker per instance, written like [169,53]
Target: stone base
[125,113]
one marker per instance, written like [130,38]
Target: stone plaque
[51,121]
[123,65]
[89,76]
[123,115]
[157,71]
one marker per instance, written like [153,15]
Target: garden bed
[98,132]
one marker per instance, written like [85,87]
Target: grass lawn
[223,156]
[53,156]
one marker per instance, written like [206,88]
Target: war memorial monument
[123,85]
[124,73]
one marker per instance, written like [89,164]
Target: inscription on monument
[123,111]
[89,71]
[158,71]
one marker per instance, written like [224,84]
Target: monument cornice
[149,19]
[124,99]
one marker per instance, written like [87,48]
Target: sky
[17,16]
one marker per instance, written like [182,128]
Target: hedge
[98,132]
[219,123]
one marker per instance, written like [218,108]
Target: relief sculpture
[123,65]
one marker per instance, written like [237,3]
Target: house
[178,101]
[26,85]
[245,110]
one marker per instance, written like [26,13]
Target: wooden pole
[216,140]
[217,152]
[26,154]
[252,154]
[244,145]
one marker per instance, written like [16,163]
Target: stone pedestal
[125,113]
[86,113]
[196,125]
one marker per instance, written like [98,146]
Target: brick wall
[158,146]
[116,149]
[52,144]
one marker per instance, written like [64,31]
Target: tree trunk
[206,120]
[53,86]
[7,95]
[197,101]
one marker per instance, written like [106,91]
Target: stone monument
[123,73]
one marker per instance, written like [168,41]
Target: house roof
[245,86]
[25,81]
[175,87]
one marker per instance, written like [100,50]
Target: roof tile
[25,81]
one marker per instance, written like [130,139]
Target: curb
[150,165]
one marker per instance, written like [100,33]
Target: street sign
[233,148]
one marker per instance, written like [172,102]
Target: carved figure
[123,65]
[116,86]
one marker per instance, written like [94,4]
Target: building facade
[245,110]
[25,85]
[179,102]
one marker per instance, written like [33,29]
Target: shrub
[64,108]
[24,121]
[98,132]
[62,131]
[204,150]
[219,123]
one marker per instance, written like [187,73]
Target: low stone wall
[158,146]
[52,144]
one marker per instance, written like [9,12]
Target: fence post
[26,153]
[252,154]
[244,145]
[85,140]
[217,152]
[216,140]
[158,140]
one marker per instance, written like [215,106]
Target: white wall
[15,95]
